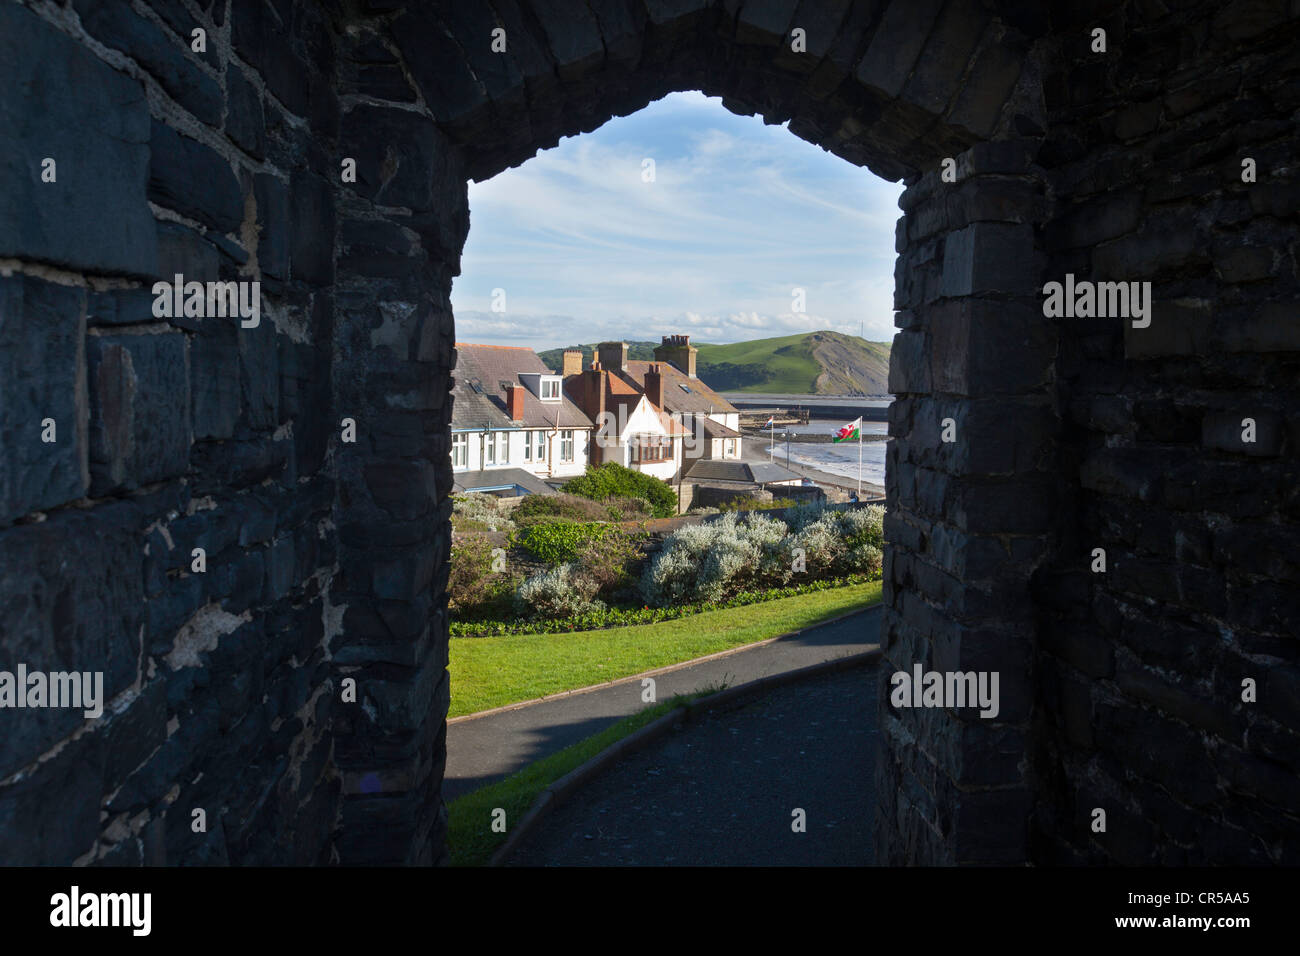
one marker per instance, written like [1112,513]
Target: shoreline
[869,489]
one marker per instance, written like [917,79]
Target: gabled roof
[480,398]
[714,429]
[681,392]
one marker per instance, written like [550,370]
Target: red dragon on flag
[849,431]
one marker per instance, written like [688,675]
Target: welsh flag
[849,431]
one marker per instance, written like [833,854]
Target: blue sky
[738,215]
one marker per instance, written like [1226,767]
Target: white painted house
[669,418]
[513,429]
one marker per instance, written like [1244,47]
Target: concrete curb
[554,795]
[518,705]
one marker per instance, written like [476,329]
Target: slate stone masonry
[326,558]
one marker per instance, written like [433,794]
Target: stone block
[989,257]
[259,377]
[1244,264]
[986,89]
[272,197]
[185,252]
[51,818]
[1157,248]
[1180,327]
[42,328]
[943,60]
[396,152]
[1103,217]
[139,409]
[120,307]
[257,34]
[245,121]
[1229,431]
[1271,327]
[215,381]
[73,601]
[909,364]
[193,180]
[985,347]
[69,106]
[896,45]
[438,67]
[114,23]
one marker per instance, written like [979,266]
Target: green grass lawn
[469,818]
[489,672]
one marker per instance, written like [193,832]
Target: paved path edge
[518,705]
[559,791]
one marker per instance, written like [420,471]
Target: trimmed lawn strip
[489,672]
[469,818]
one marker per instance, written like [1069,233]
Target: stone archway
[305,458]
[427,103]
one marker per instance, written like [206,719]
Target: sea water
[839,458]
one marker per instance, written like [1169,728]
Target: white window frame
[567,445]
[497,451]
[459,450]
[550,389]
[539,446]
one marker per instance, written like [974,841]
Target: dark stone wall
[1141,667]
[309,456]
[171,434]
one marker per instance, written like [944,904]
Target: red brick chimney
[591,399]
[515,403]
[654,386]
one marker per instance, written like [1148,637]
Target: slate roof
[464,481]
[699,400]
[714,429]
[490,365]
[755,472]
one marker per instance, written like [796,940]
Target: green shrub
[629,509]
[710,562]
[611,560]
[597,617]
[473,588]
[752,504]
[562,591]
[543,509]
[612,480]
[479,512]
[556,542]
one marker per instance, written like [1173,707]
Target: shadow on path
[721,791]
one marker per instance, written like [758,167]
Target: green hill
[809,363]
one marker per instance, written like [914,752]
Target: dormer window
[550,388]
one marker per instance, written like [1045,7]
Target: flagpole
[771,443]
[859,461]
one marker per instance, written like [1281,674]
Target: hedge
[620,617]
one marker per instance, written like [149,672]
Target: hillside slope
[809,363]
[812,363]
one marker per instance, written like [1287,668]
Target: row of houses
[520,427]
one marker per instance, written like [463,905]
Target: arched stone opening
[1162,690]
[897,88]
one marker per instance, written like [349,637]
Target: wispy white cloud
[738,215]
